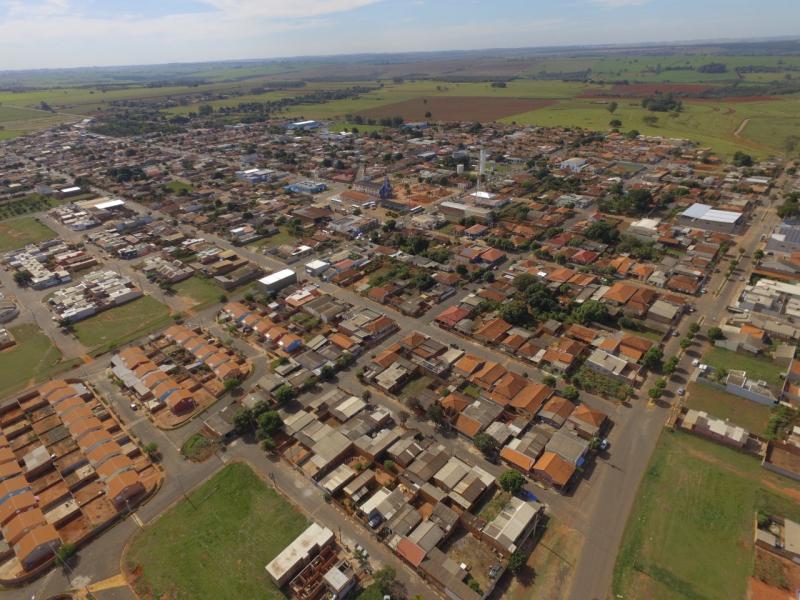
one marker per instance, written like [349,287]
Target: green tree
[65,552]
[285,393]
[652,358]
[715,333]
[590,311]
[515,312]
[436,414]
[385,578]
[516,561]
[570,393]
[485,443]
[511,481]
[268,423]
[741,159]
[694,327]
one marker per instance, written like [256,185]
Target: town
[421,351]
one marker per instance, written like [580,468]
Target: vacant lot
[217,546]
[117,326]
[750,415]
[757,368]
[202,292]
[455,108]
[17,233]
[690,534]
[32,359]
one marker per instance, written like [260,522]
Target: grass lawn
[201,291]
[218,549]
[750,415]
[756,367]
[122,324]
[690,534]
[413,388]
[279,239]
[371,592]
[32,359]
[17,233]
[199,448]
[178,186]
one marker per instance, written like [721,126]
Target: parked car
[604,444]
[681,391]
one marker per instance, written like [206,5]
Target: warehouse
[704,216]
[277,281]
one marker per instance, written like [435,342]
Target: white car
[681,391]
[695,362]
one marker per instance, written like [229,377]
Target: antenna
[481,167]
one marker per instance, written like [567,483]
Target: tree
[570,393]
[654,393]
[652,358]
[231,384]
[485,443]
[268,444]
[671,364]
[516,561]
[549,380]
[715,333]
[436,414]
[65,552]
[758,255]
[244,420]
[515,312]
[385,578]
[740,159]
[268,423]
[151,450]
[511,481]
[694,327]
[612,107]
[327,373]
[590,311]
[685,343]
[22,278]
[650,120]
[285,393]
[615,123]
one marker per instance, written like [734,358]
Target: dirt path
[740,129]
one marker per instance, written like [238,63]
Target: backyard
[32,359]
[690,534]
[757,368]
[216,544]
[122,324]
[717,403]
[17,233]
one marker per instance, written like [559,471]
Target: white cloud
[619,3]
[282,9]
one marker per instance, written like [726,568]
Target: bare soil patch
[456,108]
[638,90]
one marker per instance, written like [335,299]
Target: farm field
[32,359]
[218,547]
[16,233]
[202,292]
[690,534]
[122,324]
[756,367]
[745,413]
[456,108]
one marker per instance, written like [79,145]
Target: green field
[27,204]
[122,324]
[218,548]
[32,359]
[757,367]
[201,291]
[690,534]
[17,233]
[745,413]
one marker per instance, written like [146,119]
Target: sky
[72,33]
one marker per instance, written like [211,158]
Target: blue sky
[67,33]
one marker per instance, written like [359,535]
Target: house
[556,411]
[553,470]
[587,423]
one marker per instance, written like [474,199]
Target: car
[604,444]
[681,391]
[676,333]
[695,362]
[375,520]
[134,406]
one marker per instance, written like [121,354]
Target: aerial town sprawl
[413,360]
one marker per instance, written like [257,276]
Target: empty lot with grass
[690,534]
[745,413]
[122,324]
[17,233]
[32,359]
[202,292]
[757,368]
[218,548]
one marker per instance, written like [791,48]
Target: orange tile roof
[556,469]
[31,541]
[467,425]
[516,458]
[20,524]
[468,364]
[531,397]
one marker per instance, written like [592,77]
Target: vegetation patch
[34,358]
[199,448]
[28,204]
[690,534]
[202,291]
[745,413]
[757,368]
[215,544]
[17,233]
[122,324]
[455,108]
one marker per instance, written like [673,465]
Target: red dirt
[456,108]
[736,99]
